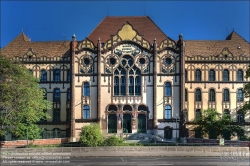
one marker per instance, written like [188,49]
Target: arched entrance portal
[112,123]
[142,123]
[127,126]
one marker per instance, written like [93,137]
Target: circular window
[142,61]
[168,61]
[112,61]
[86,61]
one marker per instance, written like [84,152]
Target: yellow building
[129,77]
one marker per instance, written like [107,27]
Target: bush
[113,141]
[91,135]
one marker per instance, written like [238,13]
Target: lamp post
[176,126]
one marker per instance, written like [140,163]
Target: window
[57,95]
[68,115]
[56,115]
[186,95]
[240,117]
[226,95]
[168,112]
[43,76]
[211,95]
[57,76]
[197,95]
[86,112]
[240,95]
[198,113]
[168,89]
[197,75]
[127,79]
[225,75]
[68,95]
[211,75]
[86,89]
[56,133]
[68,75]
[186,75]
[239,75]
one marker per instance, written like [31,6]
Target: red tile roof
[234,42]
[142,24]
[21,44]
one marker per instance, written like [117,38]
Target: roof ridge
[234,35]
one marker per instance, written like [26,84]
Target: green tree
[22,102]
[214,124]
[91,135]
[246,90]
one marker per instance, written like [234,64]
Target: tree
[246,91]
[214,124]
[22,102]
[91,135]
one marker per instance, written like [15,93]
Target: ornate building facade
[129,77]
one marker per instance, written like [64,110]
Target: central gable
[142,24]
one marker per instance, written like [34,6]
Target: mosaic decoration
[111,62]
[85,44]
[168,43]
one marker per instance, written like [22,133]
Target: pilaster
[155,121]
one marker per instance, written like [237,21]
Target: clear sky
[59,20]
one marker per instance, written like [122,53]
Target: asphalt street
[137,161]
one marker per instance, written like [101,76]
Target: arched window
[68,95]
[127,108]
[211,95]
[68,75]
[116,86]
[225,75]
[240,117]
[239,75]
[56,115]
[226,95]
[43,76]
[211,75]
[240,96]
[168,112]
[186,95]
[198,75]
[197,95]
[123,82]
[197,113]
[168,89]
[57,76]
[86,89]
[86,112]
[57,95]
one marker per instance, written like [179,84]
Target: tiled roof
[21,44]
[142,24]
[234,42]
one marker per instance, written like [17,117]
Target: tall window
[56,115]
[168,89]
[86,112]
[211,95]
[67,114]
[197,113]
[240,117]
[197,95]
[211,75]
[226,95]
[43,76]
[68,75]
[168,112]
[240,95]
[186,95]
[198,75]
[57,76]
[86,89]
[68,95]
[57,95]
[186,75]
[239,75]
[127,78]
[225,75]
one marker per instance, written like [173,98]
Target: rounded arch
[142,107]
[112,107]
[127,107]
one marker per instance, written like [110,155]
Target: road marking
[122,159]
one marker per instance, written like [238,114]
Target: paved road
[142,161]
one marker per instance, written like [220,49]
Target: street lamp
[176,126]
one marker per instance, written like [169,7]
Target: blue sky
[59,20]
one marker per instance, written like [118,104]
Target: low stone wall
[21,143]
